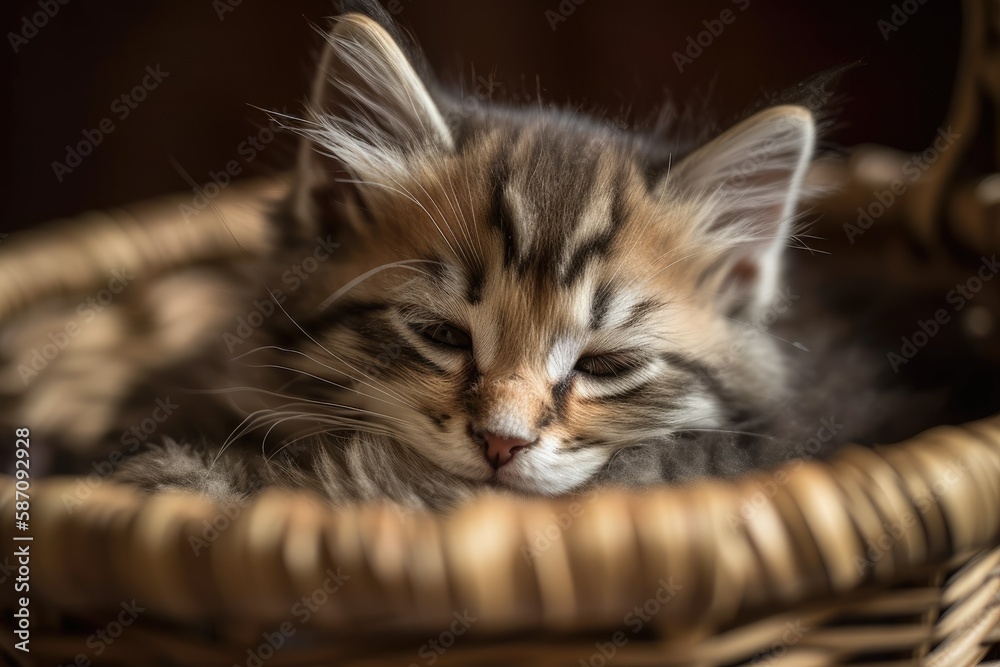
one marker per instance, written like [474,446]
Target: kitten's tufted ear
[370,114]
[747,183]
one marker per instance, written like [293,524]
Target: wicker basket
[878,557]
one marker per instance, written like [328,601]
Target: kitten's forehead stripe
[499,216]
[560,204]
[599,244]
[563,201]
[447,277]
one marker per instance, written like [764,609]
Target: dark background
[605,55]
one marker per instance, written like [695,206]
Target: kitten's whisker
[279,417]
[258,390]
[402,191]
[475,223]
[677,261]
[374,384]
[259,417]
[401,264]
[250,423]
[448,188]
[301,329]
[292,416]
[296,437]
[343,410]
[301,399]
[461,254]
[323,380]
[377,386]
[753,434]
[797,346]
[229,439]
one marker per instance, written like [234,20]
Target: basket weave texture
[880,557]
[887,556]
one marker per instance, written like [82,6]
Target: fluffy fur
[525,274]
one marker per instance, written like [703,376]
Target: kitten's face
[535,298]
[520,305]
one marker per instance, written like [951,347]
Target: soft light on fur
[511,272]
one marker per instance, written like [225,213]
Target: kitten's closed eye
[447,335]
[535,345]
[607,365]
[561,261]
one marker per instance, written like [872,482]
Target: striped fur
[600,297]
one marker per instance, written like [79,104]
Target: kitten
[517,299]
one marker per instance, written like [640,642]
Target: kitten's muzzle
[500,450]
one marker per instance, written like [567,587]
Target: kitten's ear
[748,182]
[370,114]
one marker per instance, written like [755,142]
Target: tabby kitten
[522,299]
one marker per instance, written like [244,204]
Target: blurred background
[212,65]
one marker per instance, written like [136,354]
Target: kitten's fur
[585,298]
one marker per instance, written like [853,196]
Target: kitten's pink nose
[500,450]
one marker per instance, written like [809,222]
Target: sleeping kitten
[520,299]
